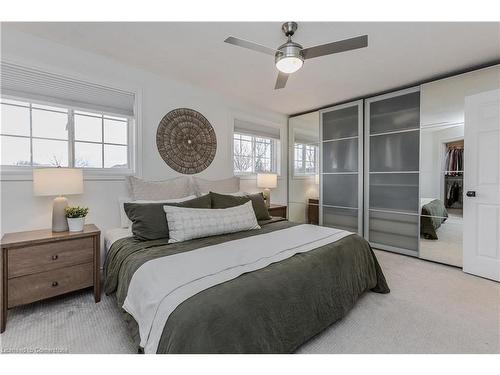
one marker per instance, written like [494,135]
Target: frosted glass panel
[397,113]
[394,152]
[340,190]
[340,218]
[397,230]
[340,123]
[398,191]
[340,156]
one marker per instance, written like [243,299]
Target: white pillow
[229,185]
[237,194]
[125,221]
[157,190]
[188,223]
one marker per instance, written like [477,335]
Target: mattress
[114,234]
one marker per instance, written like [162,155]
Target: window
[255,154]
[305,159]
[39,135]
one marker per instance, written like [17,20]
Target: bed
[433,214]
[287,282]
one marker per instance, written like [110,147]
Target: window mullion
[71,138]
[102,139]
[253,154]
[31,135]
[273,163]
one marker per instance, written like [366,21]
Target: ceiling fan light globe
[289,64]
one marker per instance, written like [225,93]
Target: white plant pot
[76,224]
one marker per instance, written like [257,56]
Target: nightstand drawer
[27,289]
[49,256]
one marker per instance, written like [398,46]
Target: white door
[482,179]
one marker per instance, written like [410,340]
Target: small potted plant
[76,217]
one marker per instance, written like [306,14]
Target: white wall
[20,210]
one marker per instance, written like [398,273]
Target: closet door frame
[366,225]
[360,105]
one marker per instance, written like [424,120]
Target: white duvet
[160,285]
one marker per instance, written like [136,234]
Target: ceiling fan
[290,56]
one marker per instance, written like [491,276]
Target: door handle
[471,194]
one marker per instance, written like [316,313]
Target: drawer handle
[55,257]
[55,283]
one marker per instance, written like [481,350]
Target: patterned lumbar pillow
[188,223]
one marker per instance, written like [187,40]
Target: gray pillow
[226,201]
[157,190]
[149,221]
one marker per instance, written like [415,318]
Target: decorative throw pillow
[188,223]
[125,221]
[258,203]
[158,190]
[228,185]
[148,219]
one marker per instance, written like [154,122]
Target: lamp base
[59,222]
[267,197]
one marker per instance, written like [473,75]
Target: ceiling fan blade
[336,47]
[281,80]
[250,45]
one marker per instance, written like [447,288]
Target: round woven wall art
[186,141]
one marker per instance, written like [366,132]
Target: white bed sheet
[112,235]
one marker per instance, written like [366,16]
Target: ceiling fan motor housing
[289,49]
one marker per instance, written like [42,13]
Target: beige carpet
[432,308]
[448,247]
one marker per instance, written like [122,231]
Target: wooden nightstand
[40,264]
[313,211]
[277,210]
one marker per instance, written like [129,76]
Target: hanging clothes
[454,161]
[454,191]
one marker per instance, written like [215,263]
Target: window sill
[250,176]
[89,174]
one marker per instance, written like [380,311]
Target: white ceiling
[398,54]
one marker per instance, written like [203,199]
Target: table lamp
[267,181]
[58,181]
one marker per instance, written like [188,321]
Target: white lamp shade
[267,180]
[57,181]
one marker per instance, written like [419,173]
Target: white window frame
[274,159]
[281,156]
[134,138]
[316,166]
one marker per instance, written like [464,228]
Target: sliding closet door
[392,134]
[341,197]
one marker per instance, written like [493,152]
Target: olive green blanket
[433,215]
[272,310]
